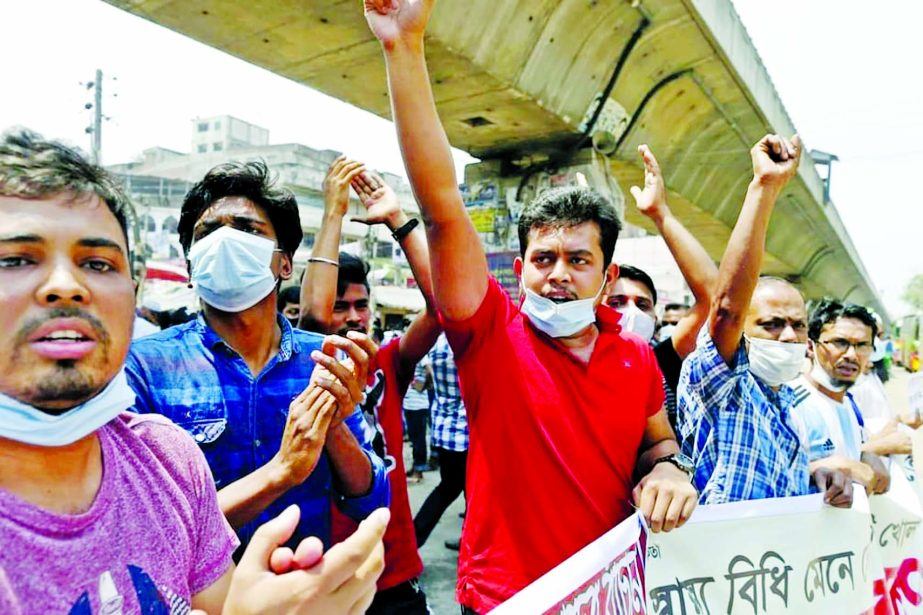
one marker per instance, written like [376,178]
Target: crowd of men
[251,460]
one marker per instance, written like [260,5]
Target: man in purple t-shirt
[103,511]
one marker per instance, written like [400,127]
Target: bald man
[733,404]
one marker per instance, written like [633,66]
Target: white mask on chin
[775,362]
[560,319]
[821,377]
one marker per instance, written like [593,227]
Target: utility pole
[98,117]
[96,129]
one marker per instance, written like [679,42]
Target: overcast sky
[846,71]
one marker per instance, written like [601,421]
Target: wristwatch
[405,230]
[680,461]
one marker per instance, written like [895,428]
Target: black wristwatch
[680,461]
[405,229]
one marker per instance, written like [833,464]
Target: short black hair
[633,273]
[250,180]
[675,306]
[289,294]
[830,310]
[567,207]
[32,167]
[353,270]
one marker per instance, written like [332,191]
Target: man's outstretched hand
[392,21]
[652,200]
[274,579]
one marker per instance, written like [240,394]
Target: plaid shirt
[738,432]
[450,423]
[190,375]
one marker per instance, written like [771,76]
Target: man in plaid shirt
[450,441]
[734,408]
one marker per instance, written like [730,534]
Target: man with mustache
[102,510]
[564,409]
[840,340]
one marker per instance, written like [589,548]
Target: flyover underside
[520,77]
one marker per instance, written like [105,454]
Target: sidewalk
[441,564]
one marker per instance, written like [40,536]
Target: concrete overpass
[519,83]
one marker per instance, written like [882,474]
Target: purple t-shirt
[153,538]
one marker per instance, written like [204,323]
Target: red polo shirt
[553,443]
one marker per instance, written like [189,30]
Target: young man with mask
[734,406]
[538,378]
[335,296]
[831,424]
[634,294]
[235,377]
[102,510]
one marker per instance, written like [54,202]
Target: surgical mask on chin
[231,269]
[636,321]
[775,362]
[24,423]
[820,376]
[560,319]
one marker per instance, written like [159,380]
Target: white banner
[605,577]
[787,555]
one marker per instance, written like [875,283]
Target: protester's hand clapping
[775,159]
[309,418]
[336,185]
[665,497]
[393,20]
[274,579]
[836,486]
[652,200]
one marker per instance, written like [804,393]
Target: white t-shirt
[826,426]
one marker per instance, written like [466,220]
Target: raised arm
[697,268]
[775,161]
[383,207]
[459,266]
[319,285]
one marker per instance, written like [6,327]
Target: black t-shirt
[670,364]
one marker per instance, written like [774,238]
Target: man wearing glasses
[840,340]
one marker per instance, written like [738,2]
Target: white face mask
[232,270]
[821,377]
[775,362]
[24,423]
[636,321]
[666,332]
[560,319]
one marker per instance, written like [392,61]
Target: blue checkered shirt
[738,432]
[450,423]
[190,375]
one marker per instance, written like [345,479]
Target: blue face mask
[560,319]
[231,269]
[23,423]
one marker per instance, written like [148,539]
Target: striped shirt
[738,432]
[450,422]
[190,375]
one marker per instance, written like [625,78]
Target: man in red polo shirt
[563,408]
